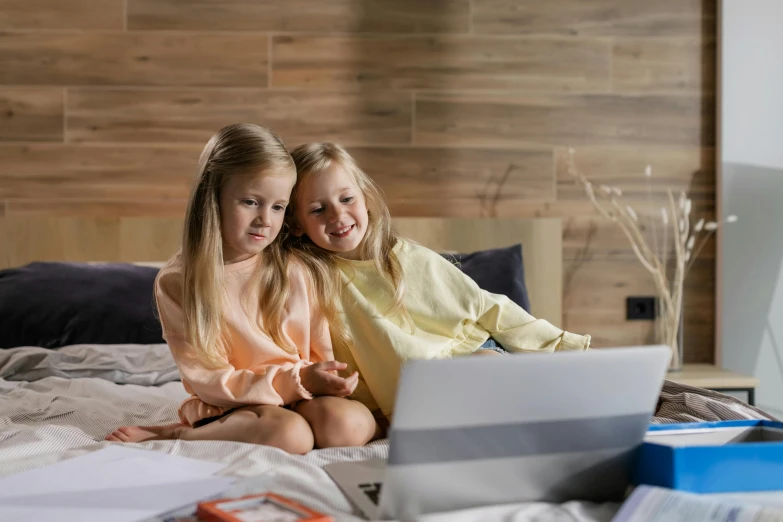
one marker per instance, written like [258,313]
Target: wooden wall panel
[595,17]
[72,239]
[458,182]
[675,167]
[441,62]
[31,114]
[62,14]
[591,289]
[669,65]
[571,120]
[678,169]
[7,250]
[193,115]
[458,108]
[616,331]
[123,58]
[91,239]
[602,239]
[375,16]
[97,172]
[149,239]
[102,208]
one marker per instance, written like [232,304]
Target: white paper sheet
[654,504]
[116,483]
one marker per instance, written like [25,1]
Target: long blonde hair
[238,149]
[312,159]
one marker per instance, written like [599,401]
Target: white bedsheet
[62,412]
[57,404]
[54,419]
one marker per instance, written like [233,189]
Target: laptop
[476,431]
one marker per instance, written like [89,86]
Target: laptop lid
[489,430]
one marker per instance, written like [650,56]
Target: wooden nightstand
[712,378]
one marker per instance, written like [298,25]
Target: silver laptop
[477,431]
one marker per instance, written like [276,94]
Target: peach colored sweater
[256,371]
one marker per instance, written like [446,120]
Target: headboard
[152,239]
[542,250]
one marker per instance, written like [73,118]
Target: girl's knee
[294,434]
[274,426]
[338,422]
[357,428]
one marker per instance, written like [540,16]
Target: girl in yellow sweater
[242,323]
[400,300]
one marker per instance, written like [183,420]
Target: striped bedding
[57,404]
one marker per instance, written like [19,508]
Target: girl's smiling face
[331,211]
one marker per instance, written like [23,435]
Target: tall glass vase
[678,343]
[677,362]
[670,332]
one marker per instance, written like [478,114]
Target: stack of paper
[116,483]
[654,504]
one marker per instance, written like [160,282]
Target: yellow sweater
[452,316]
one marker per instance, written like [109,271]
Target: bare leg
[338,422]
[267,425]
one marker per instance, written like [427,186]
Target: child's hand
[321,379]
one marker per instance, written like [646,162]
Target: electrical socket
[640,308]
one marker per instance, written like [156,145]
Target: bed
[57,402]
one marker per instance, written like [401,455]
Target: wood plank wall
[105,104]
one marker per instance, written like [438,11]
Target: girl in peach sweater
[241,320]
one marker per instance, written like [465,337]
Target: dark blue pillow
[499,270]
[58,304]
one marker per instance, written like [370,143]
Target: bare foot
[143,433]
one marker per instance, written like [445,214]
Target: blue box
[712,457]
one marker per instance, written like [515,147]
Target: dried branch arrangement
[687,239]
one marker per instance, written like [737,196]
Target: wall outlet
[640,308]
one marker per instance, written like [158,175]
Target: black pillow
[58,304]
[499,270]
